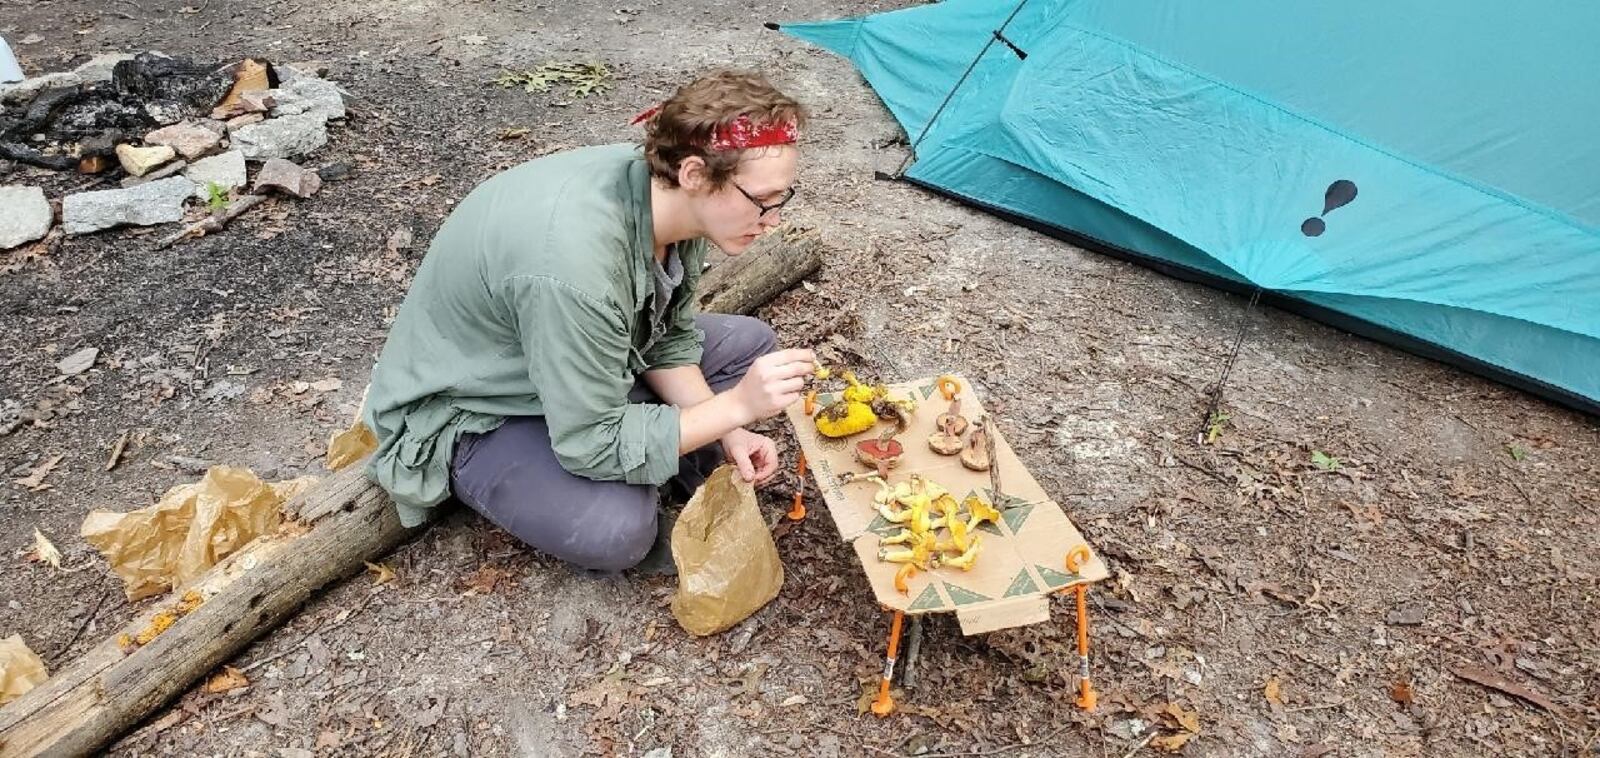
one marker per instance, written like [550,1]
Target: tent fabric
[1419,173]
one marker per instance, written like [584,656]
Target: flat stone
[308,95]
[140,160]
[240,122]
[284,176]
[257,102]
[96,70]
[227,170]
[288,137]
[191,140]
[170,169]
[25,216]
[158,202]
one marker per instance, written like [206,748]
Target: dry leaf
[43,551]
[794,700]
[484,580]
[1401,692]
[327,385]
[1274,692]
[1493,680]
[1189,720]
[1172,743]
[226,680]
[35,480]
[299,388]
[381,572]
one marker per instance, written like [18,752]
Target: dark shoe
[658,562]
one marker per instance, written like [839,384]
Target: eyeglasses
[765,208]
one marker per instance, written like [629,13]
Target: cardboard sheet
[1022,560]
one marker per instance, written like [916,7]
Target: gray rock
[154,203]
[191,140]
[96,70]
[285,176]
[24,216]
[308,95]
[227,170]
[288,137]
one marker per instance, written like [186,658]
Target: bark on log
[743,283]
[347,520]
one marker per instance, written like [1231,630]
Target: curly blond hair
[683,125]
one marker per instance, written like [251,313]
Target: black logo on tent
[1339,194]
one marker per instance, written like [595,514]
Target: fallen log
[776,262]
[105,692]
[338,525]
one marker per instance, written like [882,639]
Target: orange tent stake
[884,705]
[1086,694]
[798,510]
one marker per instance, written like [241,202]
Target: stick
[214,223]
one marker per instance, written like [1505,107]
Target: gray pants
[512,477]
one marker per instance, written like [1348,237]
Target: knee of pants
[620,536]
[753,337]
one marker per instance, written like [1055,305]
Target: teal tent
[1424,173]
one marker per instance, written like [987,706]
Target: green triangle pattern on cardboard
[991,528]
[882,526]
[962,595]
[1057,579]
[827,399]
[1022,585]
[1004,501]
[928,390]
[1014,517]
[929,599]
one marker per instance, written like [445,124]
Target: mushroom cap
[877,448]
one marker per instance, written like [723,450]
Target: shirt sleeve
[578,348]
[682,344]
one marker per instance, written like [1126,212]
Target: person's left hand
[755,455]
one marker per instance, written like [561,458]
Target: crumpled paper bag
[20,669]
[728,566]
[349,446]
[195,525]
[353,444]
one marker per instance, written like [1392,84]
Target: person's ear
[692,174]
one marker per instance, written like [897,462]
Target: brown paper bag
[165,545]
[727,565]
[20,669]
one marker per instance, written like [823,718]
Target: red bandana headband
[742,133]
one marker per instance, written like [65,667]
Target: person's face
[750,202]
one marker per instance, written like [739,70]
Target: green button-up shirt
[537,298]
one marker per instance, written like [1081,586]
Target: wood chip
[117,450]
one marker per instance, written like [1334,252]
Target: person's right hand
[774,382]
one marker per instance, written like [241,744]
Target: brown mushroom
[975,455]
[946,441]
[952,419]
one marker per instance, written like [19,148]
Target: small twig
[213,223]
[1201,469]
[82,625]
[1140,746]
[1322,706]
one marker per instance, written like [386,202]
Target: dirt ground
[1261,604]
